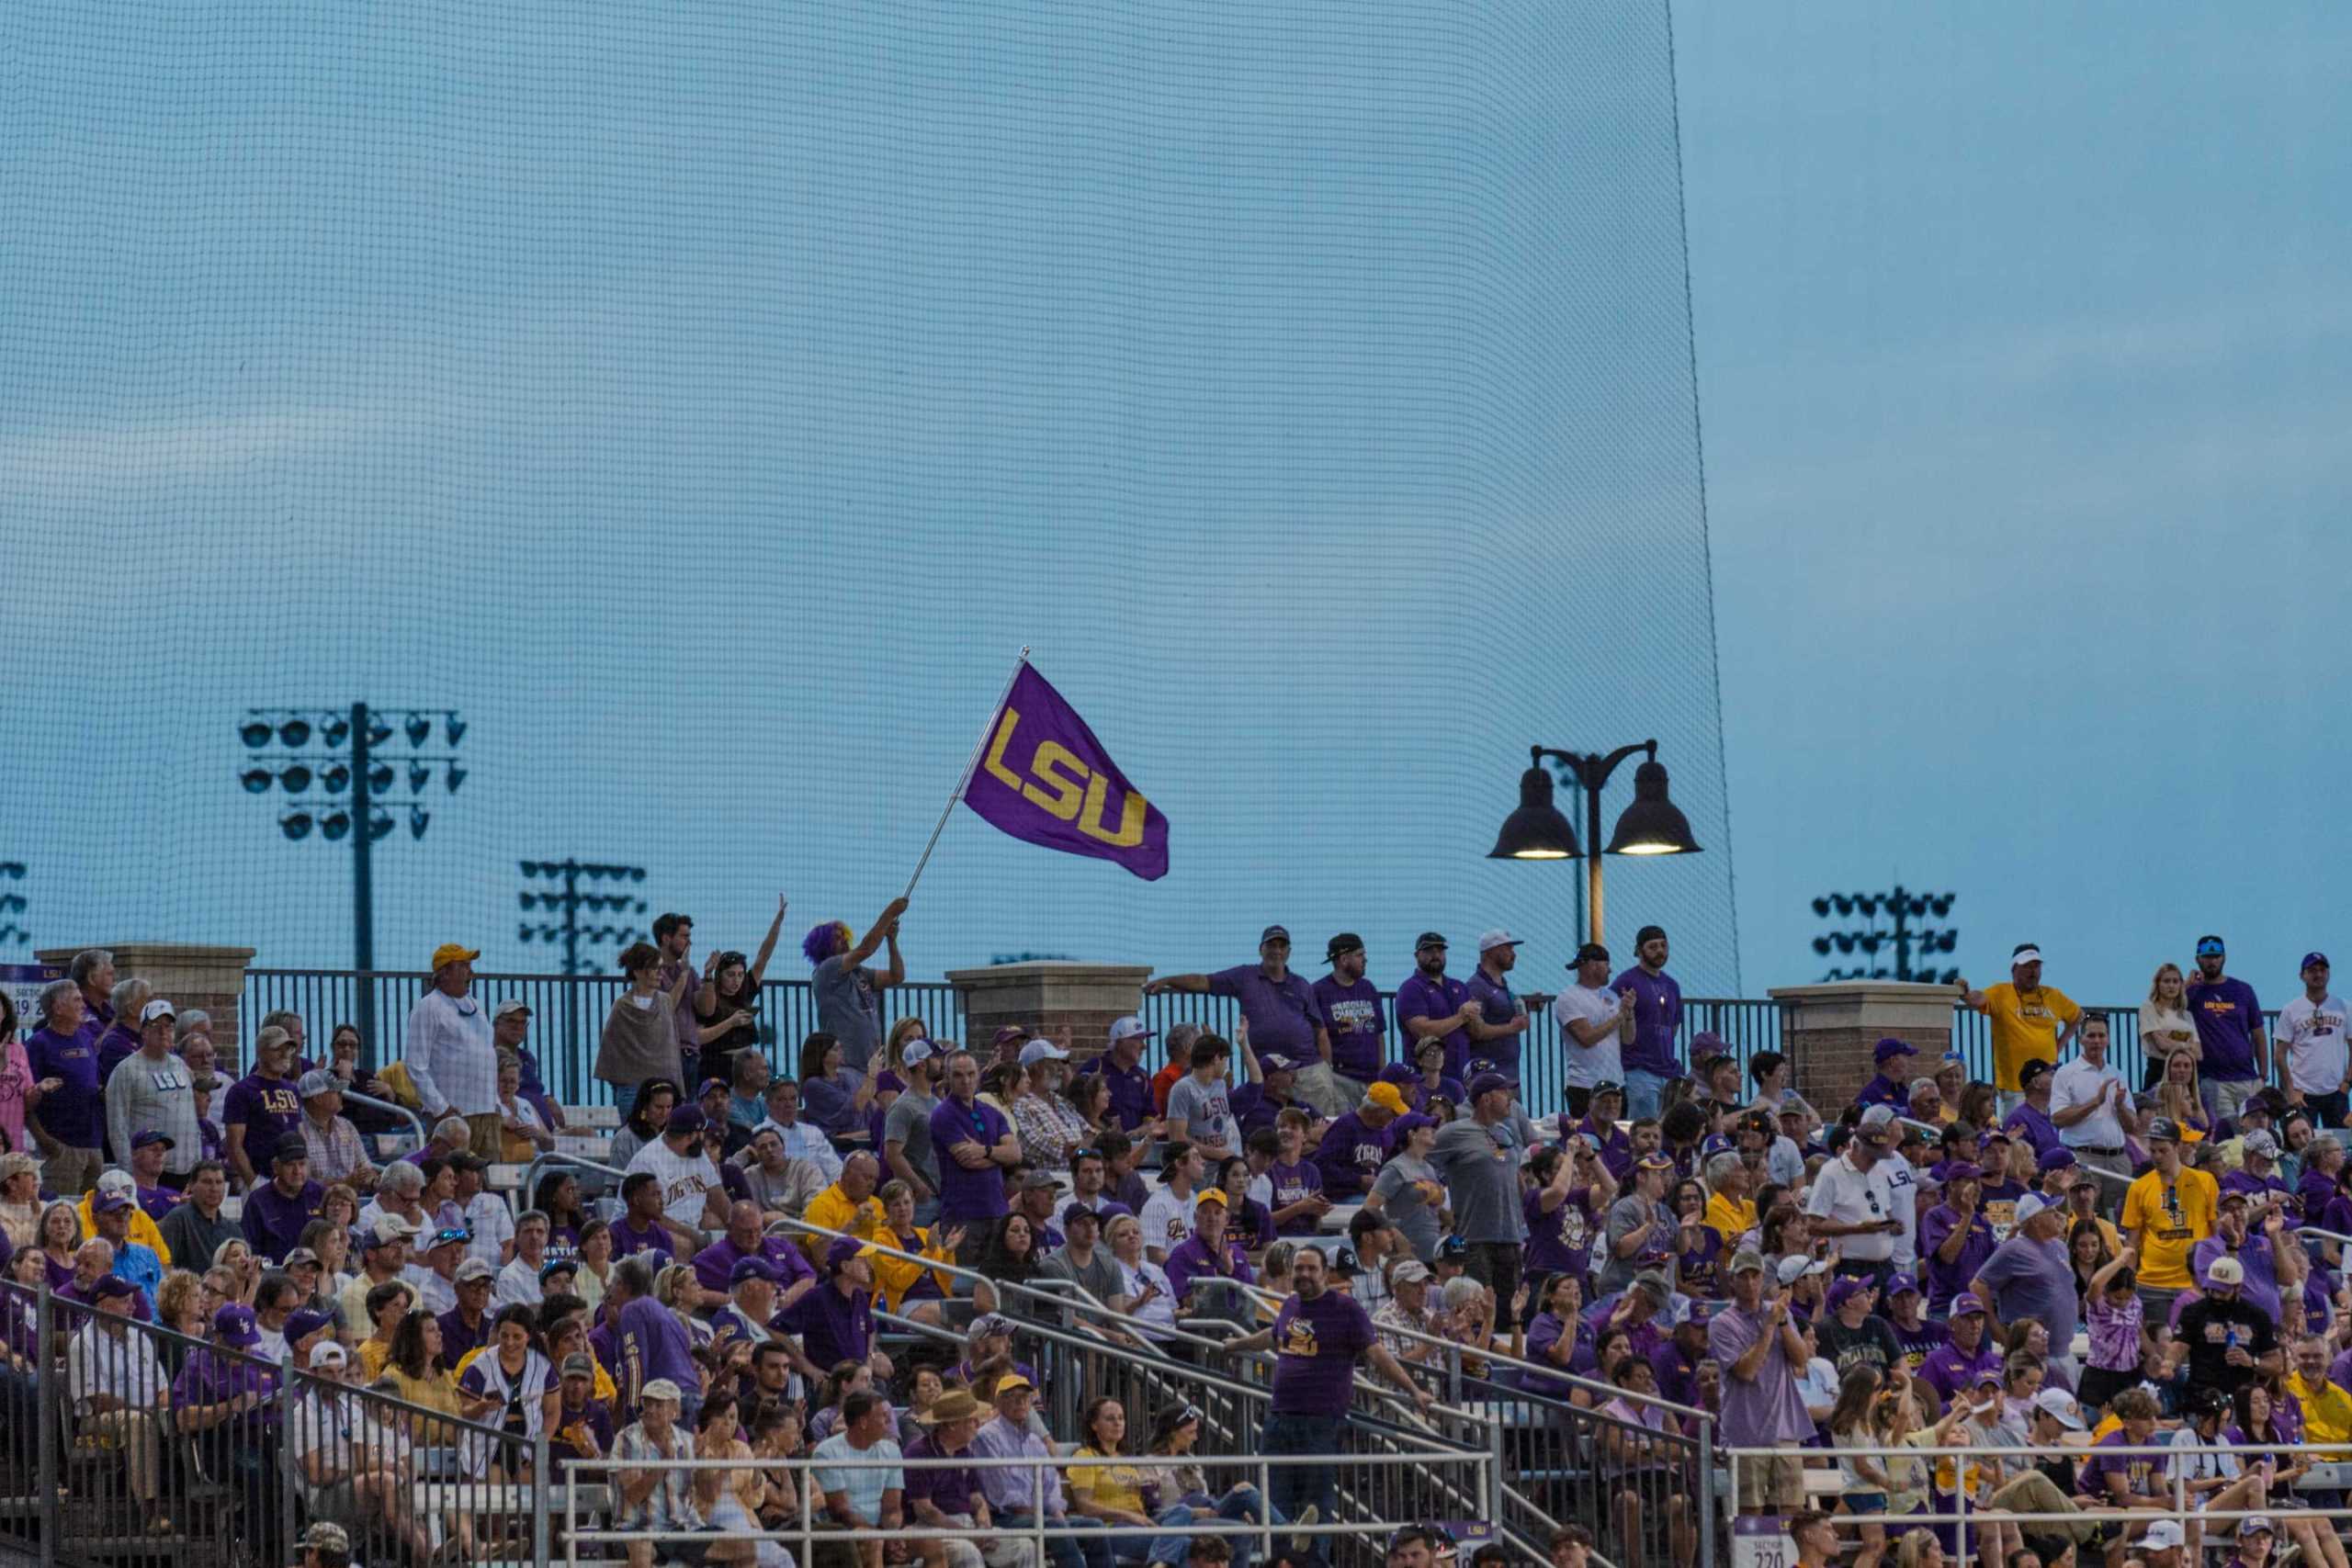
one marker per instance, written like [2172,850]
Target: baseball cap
[389,1227]
[1412,1120]
[300,1257]
[1275,1061]
[289,1148]
[2231,1195]
[325,1353]
[711,1085]
[449,1235]
[1384,1094]
[1796,1266]
[2253,1522]
[1878,1116]
[2262,1144]
[1901,1284]
[309,1320]
[1213,1196]
[1041,1180]
[1042,1051]
[2058,1402]
[108,1203]
[2211,947]
[1015,1382]
[1655,1281]
[842,1251]
[1961,1170]
[1961,1306]
[2308,959]
[1453,1247]
[918,1050]
[1006,1034]
[512,1004]
[147,1136]
[555,1266]
[2024,952]
[2226,1272]
[450,953]
[579,1364]
[157,1008]
[2161,1536]
[1608,1086]
[659,1388]
[2032,1068]
[1273,933]
[1587,954]
[990,1324]
[751,1268]
[2032,1204]
[1654,1161]
[474,1268]
[1888,1048]
[1411,1271]
[318,1080]
[685,1118]
[1429,939]
[1341,946]
[1497,937]
[111,1285]
[232,1323]
[1129,1028]
[2164,1129]
[1487,1083]
[1076,1212]
[2058,1158]
[1746,1261]
[1845,1291]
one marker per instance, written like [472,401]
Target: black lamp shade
[1652,825]
[295,733]
[257,780]
[1536,830]
[255,733]
[335,824]
[296,824]
[418,727]
[335,731]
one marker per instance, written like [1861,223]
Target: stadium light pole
[348,756]
[570,901]
[11,906]
[1902,906]
[1651,825]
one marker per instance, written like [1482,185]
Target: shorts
[2099,1385]
[1866,1501]
[1775,1483]
[1495,1264]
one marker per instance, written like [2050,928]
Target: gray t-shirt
[1207,1114]
[1625,1216]
[909,1122]
[1480,1166]
[849,1006]
[1099,1278]
[1412,1214]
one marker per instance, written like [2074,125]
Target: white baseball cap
[1129,1028]
[1489,941]
[157,1008]
[2058,1402]
[327,1353]
[1042,1051]
[918,1050]
[2162,1535]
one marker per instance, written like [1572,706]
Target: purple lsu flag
[1044,778]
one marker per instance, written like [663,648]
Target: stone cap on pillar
[1890,1006]
[188,975]
[1049,996]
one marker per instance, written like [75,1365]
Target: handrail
[352,1096]
[530,1193]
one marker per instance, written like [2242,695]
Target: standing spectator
[1210,1253]
[1318,1337]
[448,1052]
[262,1107]
[69,1123]
[1763,1358]
[1498,1027]
[2031,1120]
[1651,1059]
[2310,1039]
[640,1042]
[1956,1237]
[2236,1053]
[1887,1086]
[1596,1025]
[1479,1158]
[336,1152]
[975,1145]
[1353,1011]
[2271,1270]
[1049,1128]
[848,994]
[1641,1231]
[2029,1277]
[2219,1335]
[1853,1201]
[152,1091]
[120,1036]
[907,1149]
[15,1077]
[2026,1018]
[833,1094]
[849,1205]
[2090,1105]
[673,937]
[1200,1108]
[1277,1004]
[1409,1192]
[2166,1213]
[1121,1067]
[1431,1005]
[2166,1029]
[1168,1216]
[727,1005]
[524,1131]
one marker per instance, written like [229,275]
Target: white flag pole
[964,779]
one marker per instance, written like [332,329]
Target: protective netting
[707,400]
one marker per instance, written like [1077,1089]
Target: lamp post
[1651,825]
[11,906]
[347,756]
[1902,906]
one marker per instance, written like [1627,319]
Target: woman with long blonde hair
[2165,1028]
[2179,1097]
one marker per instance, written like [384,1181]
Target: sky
[711,403]
[2024,341]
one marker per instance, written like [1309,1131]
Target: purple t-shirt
[1192,1259]
[833,1327]
[2260,1290]
[2033,1279]
[1130,1090]
[116,1046]
[75,1114]
[1359,1027]
[1949,1369]
[2138,1470]
[2226,1015]
[1350,1155]
[157,1201]
[1944,1281]
[1658,1017]
[2033,1124]
[1420,997]
[628,1241]
[714,1263]
[650,1343]
[1769,1409]
[1497,1007]
[951,1488]
[967,1194]
[268,1109]
[1317,1344]
[1295,1184]
[1281,1013]
[273,1221]
[1560,1240]
[458,1336]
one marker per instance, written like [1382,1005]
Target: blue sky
[2025,354]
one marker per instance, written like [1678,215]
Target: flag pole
[964,778]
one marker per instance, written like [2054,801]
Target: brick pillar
[1044,996]
[212,978]
[1831,1031]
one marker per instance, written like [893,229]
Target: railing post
[47,1391]
[544,1479]
[1494,1473]
[1960,1506]
[1703,1488]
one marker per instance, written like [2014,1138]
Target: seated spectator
[803,1138]
[834,1094]
[835,1319]
[731,1499]
[648,1112]
[848,1205]
[641,1227]
[119,1393]
[863,1496]
[523,1130]
[518,1280]
[693,1192]
[1408,1309]
[348,1471]
[777,1182]
[1010,1255]
[275,1211]
[1298,1203]
[649,1494]
[594,1275]
[583,1428]
[746,1237]
[1146,1295]
[1174,1478]
[511,1385]
[336,1152]
[400,1189]
[1641,1450]
[1023,1499]
[1250,1223]
[950,1497]
[1209,1254]
[907,1288]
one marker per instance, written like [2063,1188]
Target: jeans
[2328,1111]
[1296,1485]
[1643,1092]
[1240,1505]
[1062,1551]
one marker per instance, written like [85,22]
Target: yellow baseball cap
[1012,1382]
[1388,1097]
[450,953]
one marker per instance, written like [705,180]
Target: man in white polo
[1853,1201]
[2090,1104]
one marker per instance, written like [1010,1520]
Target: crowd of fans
[1687,1246]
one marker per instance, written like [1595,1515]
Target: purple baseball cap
[233,1324]
[1889,1048]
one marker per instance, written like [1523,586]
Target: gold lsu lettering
[1063,787]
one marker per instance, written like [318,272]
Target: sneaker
[1307,1518]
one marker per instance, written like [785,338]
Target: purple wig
[825,939]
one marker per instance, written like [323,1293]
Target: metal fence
[129,1441]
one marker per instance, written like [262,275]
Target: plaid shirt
[336,1150]
[670,1504]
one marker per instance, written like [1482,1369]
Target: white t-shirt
[1167,1221]
[2311,1034]
[2172,1030]
[1850,1197]
[518,1285]
[685,1179]
[2079,1083]
[1588,1065]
